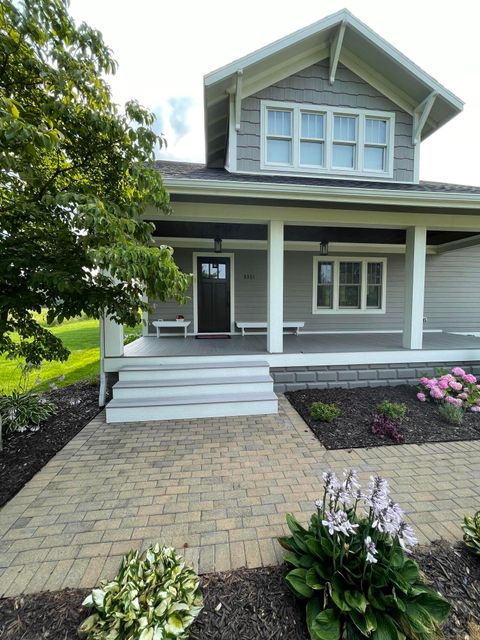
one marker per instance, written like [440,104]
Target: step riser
[191,412]
[185,374]
[190,390]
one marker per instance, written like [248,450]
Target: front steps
[189,391]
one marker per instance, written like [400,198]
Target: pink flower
[424,380]
[469,377]
[421,396]
[475,409]
[458,371]
[456,386]
[431,383]
[456,401]
[443,384]
[463,396]
[437,393]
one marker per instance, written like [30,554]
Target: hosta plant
[352,567]
[155,596]
[471,532]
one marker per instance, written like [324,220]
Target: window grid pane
[311,153]
[312,126]
[279,151]
[350,272]
[279,123]
[344,128]
[375,131]
[349,296]
[374,158]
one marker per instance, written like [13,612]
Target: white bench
[295,325]
[181,324]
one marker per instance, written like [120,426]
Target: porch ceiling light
[217,245]
[324,248]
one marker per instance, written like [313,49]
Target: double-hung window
[307,138]
[349,285]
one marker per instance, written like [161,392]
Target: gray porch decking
[150,346]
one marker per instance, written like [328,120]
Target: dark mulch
[455,572]
[249,603]
[352,428]
[24,454]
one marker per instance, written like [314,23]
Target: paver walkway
[217,489]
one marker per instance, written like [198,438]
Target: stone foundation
[351,376]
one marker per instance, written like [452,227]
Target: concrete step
[186,387]
[194,370]
[188,408]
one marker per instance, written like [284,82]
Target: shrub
[22,408]
[393,410]
[457,388]
[352,568]
[324,412]
[451,413]
[154,596]
[471,532]
[382,425]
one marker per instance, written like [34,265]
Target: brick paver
[217,489]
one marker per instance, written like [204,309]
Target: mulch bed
[353,428]
[249,603]
[24,454]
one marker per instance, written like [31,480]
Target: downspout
[103,378]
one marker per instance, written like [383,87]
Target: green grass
[81,337]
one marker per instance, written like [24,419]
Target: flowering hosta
[458,388]
[352,566]
[155,596]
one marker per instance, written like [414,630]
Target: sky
[164,48]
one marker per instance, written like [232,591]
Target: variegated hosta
[351,566]
[471,532]
[154,596]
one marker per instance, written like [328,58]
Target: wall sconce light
[324,248]
[217,245]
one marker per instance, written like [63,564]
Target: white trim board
[212,254]
[403,356]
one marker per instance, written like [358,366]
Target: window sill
[341,312]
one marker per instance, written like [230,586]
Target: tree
[75,180]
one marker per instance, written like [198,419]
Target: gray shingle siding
[312,86]
[452,292]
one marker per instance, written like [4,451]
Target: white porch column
[113,337]
[275,287]
[415,255]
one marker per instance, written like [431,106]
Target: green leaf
[356,600]
[296,580]
[410,571]
[313,608]
[313,580]
[436,606]
[326,626]
[386,628]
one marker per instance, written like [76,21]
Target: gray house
[318,257]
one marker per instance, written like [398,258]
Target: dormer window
[316,140]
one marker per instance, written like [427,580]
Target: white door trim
[212,254]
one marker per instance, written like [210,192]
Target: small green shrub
[471,532]
[154,596]
[352,569]
[393,410]
[451,413]
[324,412]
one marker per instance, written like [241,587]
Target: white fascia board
[314,192]
[337,18]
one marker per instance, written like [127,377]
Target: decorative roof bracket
[420,116]
[335,49]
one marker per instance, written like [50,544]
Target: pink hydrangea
[458,371]
[469,377]
[421,396]
[443,384]
[456,386]
[456,401]
[431,383]
[424,380]
[463,396]
[475,409]
[437,393]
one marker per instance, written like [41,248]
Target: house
[308,231]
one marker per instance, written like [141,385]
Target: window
[349,285]
[279,137]
[300,137]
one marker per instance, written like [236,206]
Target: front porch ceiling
[297,233]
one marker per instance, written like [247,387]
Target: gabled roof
[341,37]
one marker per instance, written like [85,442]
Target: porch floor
[150,346]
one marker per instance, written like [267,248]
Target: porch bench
[295,325]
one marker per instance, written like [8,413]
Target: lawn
[81,337]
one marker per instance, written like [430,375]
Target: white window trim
[336,310]
[328,112]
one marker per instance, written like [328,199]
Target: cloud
[180,107]
[159,124]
